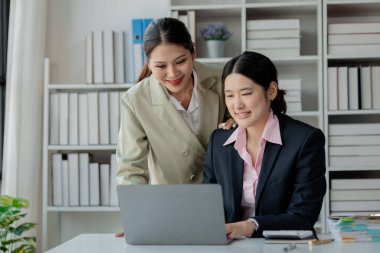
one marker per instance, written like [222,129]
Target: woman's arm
[133,147]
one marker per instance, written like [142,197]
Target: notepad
[288,234]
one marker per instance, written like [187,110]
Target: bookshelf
[306,66]
[67,68]
[353,119]
[58,217]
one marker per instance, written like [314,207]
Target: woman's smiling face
[172,66]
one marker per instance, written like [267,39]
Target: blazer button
[193,177]
[185,153]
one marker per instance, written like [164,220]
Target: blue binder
[138,53]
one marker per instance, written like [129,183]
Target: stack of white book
[354,38]
[353,87]
[76,181]
[354,145]
[86,118]
[105,57]
[274,38]
[188,18]
[292,88]
[355,196]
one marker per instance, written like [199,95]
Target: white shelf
[84,87]
[353,112]
[83,209]
[80,147]
[348,11]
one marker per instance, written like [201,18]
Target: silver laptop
[172,214]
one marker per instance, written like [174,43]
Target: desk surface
[108,243]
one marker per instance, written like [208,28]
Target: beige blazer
[155,144]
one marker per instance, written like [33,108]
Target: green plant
[11,229]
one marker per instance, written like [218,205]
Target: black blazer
[291,184]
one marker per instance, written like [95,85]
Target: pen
[289,247]
[319,242]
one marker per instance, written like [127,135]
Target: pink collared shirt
[251,171]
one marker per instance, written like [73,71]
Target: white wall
[70,20]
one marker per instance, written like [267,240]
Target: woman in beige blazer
[168,116]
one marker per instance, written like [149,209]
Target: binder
[137,39]
[146,23]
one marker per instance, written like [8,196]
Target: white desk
[100,243]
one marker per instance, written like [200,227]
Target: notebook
[172,214]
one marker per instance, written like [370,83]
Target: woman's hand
[119,234]
[238,229]
[230,123]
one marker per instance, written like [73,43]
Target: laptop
[180,214]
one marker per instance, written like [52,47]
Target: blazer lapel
[270,156]
[170,117]
[236,177]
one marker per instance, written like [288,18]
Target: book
[89,60]
[346,39]
[73,118]
[97,42]
[343,88]
[354,140]
[114,114]
[353,28]
[63,118]
[355,150]
[273,24]
[375,81]
[57,179]
[355,228]
[355,194]
[353,88]
[54,119]
[73,163]
[93,118]
[84,185]
[276,53]
[273,34]
[354,161]
[366,49]
[290,84]
[349,184]
[108,57]
[83,118]
[118,45]
[65,183]
[294,106]
[192,24]
[332,82]
[354,129]
[359,205]
[138,54]
[274,43]
[113,182]
[104,119]
[104,184]
[365,85]
[94,184]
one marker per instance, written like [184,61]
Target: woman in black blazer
[271,167]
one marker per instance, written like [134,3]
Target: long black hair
[164,30]
[261,70]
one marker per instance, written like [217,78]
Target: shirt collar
[271,131]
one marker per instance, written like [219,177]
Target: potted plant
[11,229]
[215,36]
